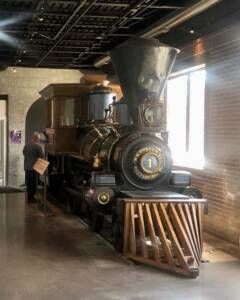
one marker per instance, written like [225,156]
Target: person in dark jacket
[32,151]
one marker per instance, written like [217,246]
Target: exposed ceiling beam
[87,34]
[136,9]
[122,4]
[69,29]
[96,16]
[78,30]
[30,12]
[125,5]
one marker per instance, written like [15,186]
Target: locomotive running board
[165,233]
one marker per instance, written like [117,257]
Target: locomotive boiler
[110,162]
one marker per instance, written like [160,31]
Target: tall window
[185,117]
[2,142]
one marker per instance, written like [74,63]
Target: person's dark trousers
[31,181]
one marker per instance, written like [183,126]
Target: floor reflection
[12,220]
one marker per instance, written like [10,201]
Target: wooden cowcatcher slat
[164,233]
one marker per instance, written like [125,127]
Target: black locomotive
[121,148]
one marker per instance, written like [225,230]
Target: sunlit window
[185,117]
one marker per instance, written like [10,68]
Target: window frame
[5,98]
[187,72]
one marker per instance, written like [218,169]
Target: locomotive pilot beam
[164,233]
[109,156]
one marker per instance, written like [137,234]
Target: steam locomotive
[120,150]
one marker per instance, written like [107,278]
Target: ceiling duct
[188,13]
[142,66]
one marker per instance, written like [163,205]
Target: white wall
[22,88]
[2,108]
[2,142]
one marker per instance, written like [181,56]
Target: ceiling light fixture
[9,40]
[191,31]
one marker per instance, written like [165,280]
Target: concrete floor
[58,258]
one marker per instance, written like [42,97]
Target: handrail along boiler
[119,152]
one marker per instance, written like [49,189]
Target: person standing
[31,151]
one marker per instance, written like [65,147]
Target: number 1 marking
[150,163]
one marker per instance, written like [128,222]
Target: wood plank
[182,233]
[190,222]
[200,223]
[152,233]
[187,229]
[194,214]
[191,272]
[162,235]
[142,231]
[132,229]
[126,228]
[172,235]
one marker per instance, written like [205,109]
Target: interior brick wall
[220,179]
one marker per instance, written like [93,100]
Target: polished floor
[58,258]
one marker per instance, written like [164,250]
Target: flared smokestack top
[142,66]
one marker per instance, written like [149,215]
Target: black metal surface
[72,34]
[153,195]
[123,160]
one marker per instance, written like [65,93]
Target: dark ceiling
[213,19]
[73,34]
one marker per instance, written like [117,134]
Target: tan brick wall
[22,88]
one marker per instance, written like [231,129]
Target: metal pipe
[183,16]
[162,27]
[110,17]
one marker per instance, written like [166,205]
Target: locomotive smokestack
[143,66]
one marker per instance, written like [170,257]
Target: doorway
[3,141]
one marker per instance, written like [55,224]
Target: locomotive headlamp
[149,162]
[152,115]
[100,195]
